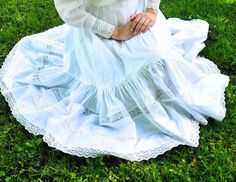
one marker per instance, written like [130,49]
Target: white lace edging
[86,152]
[103,28]
[78,151]
[134,156]
[90,152]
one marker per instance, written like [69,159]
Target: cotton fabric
[91,96]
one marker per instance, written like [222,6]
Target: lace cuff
[103,28]
[154,4]
[74,13]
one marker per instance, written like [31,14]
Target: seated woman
[117,78]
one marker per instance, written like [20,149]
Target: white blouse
[73,12]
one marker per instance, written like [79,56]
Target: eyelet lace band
[103,28]
[154,4]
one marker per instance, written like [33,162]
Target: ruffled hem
[90,152]
[155,92]
[93,152]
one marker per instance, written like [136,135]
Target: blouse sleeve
[153,4]
[73,13]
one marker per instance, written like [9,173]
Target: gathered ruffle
[75,114]
[149,92]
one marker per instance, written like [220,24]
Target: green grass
[25,157]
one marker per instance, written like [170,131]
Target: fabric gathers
[88,95]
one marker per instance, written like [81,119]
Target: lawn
[25,157]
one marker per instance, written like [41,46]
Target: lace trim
[133,113]
[46,60]
[84,152]
[135,156]
[212,68]
[57,94]
[90,152]
[122,114]
[154,4]
[103,28]
[115,117]
[137,111]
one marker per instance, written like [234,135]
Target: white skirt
[90,96]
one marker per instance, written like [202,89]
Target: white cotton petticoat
[90,96]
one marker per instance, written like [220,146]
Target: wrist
[151,10]
[115,33]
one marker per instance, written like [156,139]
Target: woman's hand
[138,23]
[123,32]
[143,21]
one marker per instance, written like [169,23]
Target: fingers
[145,26]
[132,17]
[135,22]
[140,24]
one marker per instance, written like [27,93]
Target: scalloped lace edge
[91,152]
